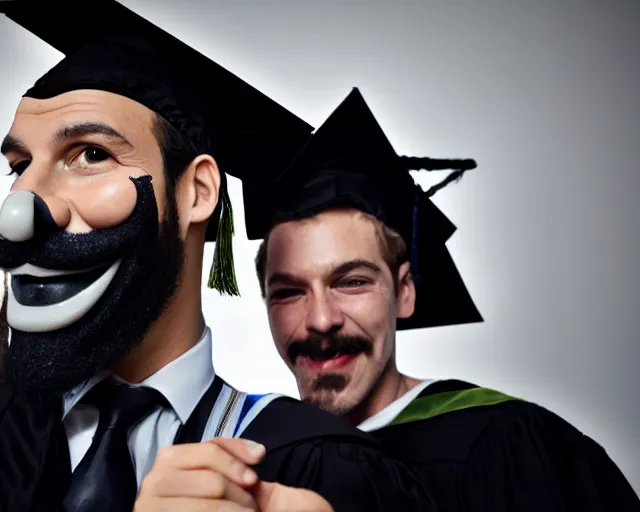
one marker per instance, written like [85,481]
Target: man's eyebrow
[348,266]
[10,143]
[283,278]
[89,128]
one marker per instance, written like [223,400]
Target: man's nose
[323,315]
[25,215]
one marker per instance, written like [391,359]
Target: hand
[207,476]
[274,497]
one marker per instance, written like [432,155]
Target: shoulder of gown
[513,455]
[312,449]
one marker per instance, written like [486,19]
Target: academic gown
[481,451]
[306,448]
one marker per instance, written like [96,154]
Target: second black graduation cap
[350,162]
[115,50]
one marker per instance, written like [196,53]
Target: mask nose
[24,216]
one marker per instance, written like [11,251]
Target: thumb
[264,493]
[275,497]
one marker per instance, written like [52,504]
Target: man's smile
[32,287]
[327,363]
[42,299]
[59,277]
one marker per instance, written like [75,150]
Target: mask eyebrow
[12,144]
[90,128]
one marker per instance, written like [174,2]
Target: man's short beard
[326,387]
[55,362]
[324,390]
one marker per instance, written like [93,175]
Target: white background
[544,95]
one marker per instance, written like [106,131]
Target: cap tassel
[458,166]
[222,276]
[454,176]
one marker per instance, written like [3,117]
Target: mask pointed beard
[151,259]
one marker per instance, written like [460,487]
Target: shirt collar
[182,382]
[389,413]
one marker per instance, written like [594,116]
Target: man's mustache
[75,251]
[335,344]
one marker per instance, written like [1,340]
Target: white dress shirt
[391,411]
[183,382]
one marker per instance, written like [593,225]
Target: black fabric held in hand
[105,479]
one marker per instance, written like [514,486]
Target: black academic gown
[305,448]
[510,456]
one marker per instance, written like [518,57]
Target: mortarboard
[350,162]
[118,51]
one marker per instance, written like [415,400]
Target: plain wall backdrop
[543,94]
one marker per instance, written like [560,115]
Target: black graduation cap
[350,162]
[111,48]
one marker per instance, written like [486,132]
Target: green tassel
[222,276]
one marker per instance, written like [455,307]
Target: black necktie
[105,479]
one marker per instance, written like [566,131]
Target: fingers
[197,483]
[246,450]
[207,476]
[229,457]
[189,505]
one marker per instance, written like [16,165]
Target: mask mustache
[335,345]
[73,251]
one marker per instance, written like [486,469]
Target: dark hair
[176,149]
[392,246]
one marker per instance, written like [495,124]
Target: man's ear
[406,292]
[198,192]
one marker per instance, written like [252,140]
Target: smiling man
[115,153]
[354,250]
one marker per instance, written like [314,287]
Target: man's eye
[19,168]
[353,283]
[284,293]
[94,154]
